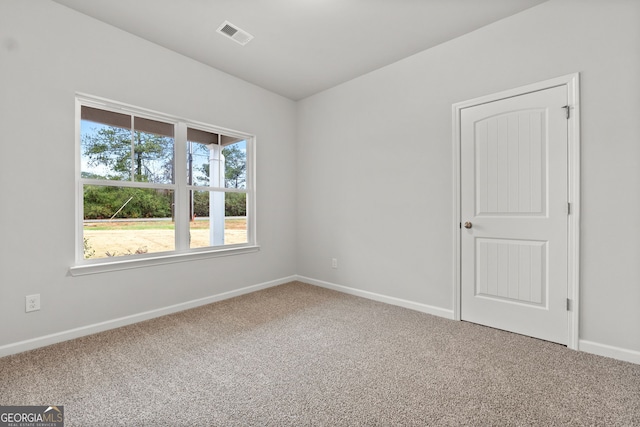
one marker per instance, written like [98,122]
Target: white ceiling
[301,47]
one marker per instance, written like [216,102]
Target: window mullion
[181,202]
[250,185]
[133,150]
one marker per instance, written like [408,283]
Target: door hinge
[568,108]
[460,225]
[568,304]
[568,208]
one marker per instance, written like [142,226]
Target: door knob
[468,225]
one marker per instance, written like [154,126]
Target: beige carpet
[298,355]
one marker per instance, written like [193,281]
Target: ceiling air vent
[227,29]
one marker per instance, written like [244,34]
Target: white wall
[47,54]
[375,160]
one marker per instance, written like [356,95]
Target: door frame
[571,81]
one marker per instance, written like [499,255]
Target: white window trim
[182,252]
[162,258]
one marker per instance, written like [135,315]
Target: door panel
[510,164]
[514,192]
[511,270]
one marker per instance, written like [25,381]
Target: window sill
[126,264]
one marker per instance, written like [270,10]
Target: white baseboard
[429,309]
[33,343]
[605,350]
[609,351]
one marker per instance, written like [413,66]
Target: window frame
[182,251]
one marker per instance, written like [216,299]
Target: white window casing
[155,122]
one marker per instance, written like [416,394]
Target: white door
[514,200]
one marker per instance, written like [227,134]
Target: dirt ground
[123,242]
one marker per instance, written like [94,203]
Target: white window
[154,188]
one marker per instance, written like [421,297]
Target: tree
[235,204]
[111,148]
[201,204]
[235,173]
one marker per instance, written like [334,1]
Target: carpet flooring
[299,355]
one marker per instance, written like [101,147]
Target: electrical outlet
[32,303]
[334,262]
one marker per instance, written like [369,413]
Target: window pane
[153,151]
[198,163]
[105,139]
[121,221]
[218,219]
[216,160]
[235,164]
